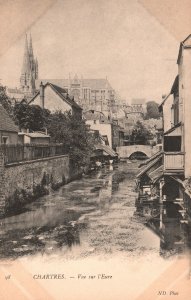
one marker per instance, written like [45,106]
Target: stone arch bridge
[128,151]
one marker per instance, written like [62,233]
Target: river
[95,215]
[91,228]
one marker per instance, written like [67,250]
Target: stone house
[97,94]
[55,98]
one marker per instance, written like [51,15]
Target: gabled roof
[156,174]
[146,162]
[6,123]
[174,90]
[175,86]
[150,164]
[95,115]
[174,129]
[106,149]
[163,102]
[183,44]
[62,93]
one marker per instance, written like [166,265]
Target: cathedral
[95,94]
[29,74]
[29,71]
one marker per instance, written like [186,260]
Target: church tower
[29,72]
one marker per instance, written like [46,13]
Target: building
[98,121]
[33,138]
[173,171]
[96,94]
[138,106]
[117,134]
[110,130]
[29,74]
[55,98]
[8,129]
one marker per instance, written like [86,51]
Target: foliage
[140,134]
[5,101]
[73,133]
[31,117]
[152,110]
[64,128]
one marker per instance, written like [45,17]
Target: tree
[31,117]
[5,101]
[152,110]
[73,133]
[140,134]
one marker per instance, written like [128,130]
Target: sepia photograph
[95,149]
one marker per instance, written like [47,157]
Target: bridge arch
[138,155]
[127,151]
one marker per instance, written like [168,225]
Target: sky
[117,39]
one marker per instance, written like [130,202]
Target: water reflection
[58,220]
[166,221]
[95,215]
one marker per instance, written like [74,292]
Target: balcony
[173,162]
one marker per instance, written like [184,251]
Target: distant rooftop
[35,134]
[95,115]
[94,84]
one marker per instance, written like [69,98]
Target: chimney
[42,94]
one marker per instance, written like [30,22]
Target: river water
[89,229]
[93,216]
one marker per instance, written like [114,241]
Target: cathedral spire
[30,46]
[36,68]
[29,71]
[31,55]
[26,60]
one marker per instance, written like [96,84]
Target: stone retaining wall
[23,182]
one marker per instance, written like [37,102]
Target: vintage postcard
[95,149]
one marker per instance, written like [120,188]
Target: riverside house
[55,98]
[170,177]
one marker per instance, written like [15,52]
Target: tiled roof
[59,89]
[95,115]
[150,163]
[156,174]
[62,93]
[106,149]
[157,154]
[6,123]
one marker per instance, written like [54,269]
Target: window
[172,143]
[4,139]
[176,111]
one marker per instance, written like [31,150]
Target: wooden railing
[174,161]
[18,153]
